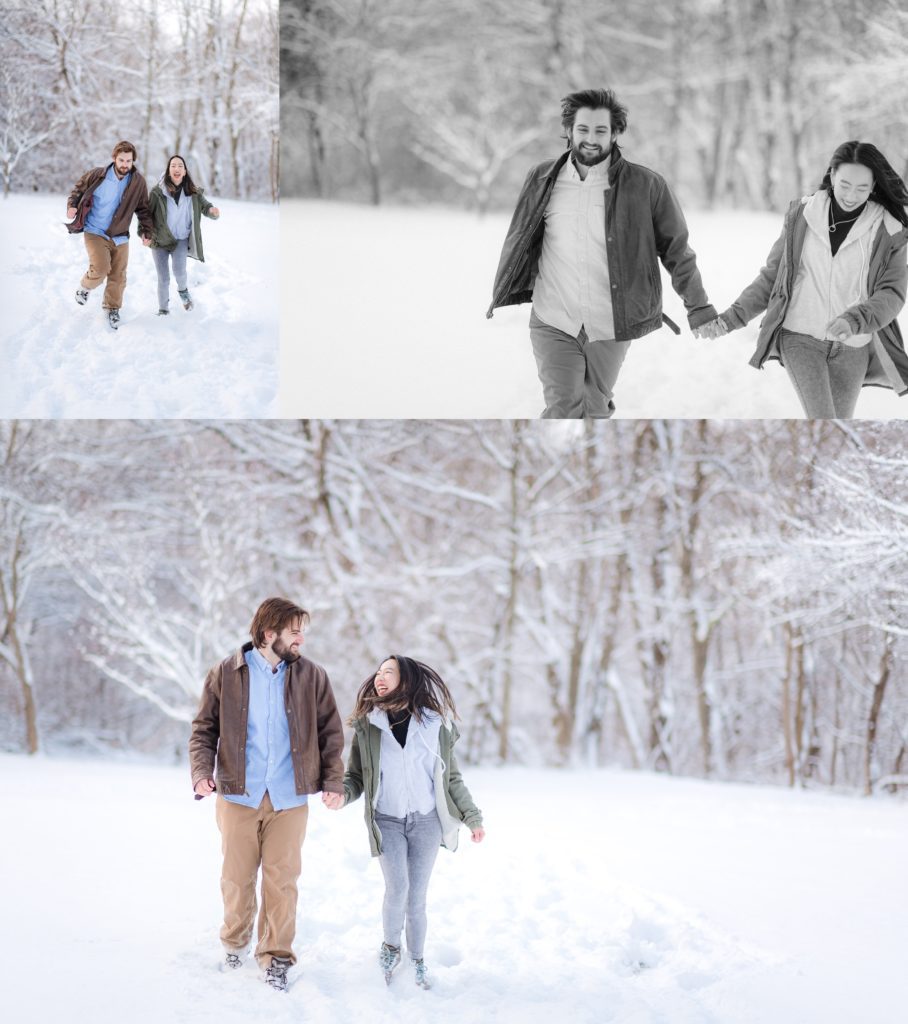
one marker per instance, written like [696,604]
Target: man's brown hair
[275,613]
[124,147]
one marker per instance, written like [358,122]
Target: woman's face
[851,185]
[176,170]
[387,678]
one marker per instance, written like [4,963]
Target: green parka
[452,798]
[162,238]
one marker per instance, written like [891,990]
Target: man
[101,205]
[582,246]
[268,718]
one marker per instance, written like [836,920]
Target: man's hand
[70,212]
[478,834]
[333,801]
[839,329]
[713,329]
[146,240]
[204,787]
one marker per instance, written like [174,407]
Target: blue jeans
[827,375]
[161,261]
[409,847]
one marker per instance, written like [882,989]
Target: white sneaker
[231,962]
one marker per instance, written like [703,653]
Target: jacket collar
[239,661]
[816,213]
[616,163]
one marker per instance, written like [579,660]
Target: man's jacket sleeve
[672,245]
[330,740]
[206,729]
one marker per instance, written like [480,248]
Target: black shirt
[843,220]
[399,722]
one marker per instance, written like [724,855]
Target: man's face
[286,644]
[122,164]
[591,136]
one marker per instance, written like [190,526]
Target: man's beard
[591,159]
[286,654]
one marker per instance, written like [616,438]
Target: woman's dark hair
[595,99]
[888,188]
[421,689]
[189,186]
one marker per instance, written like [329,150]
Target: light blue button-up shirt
[269,765]
[104,202]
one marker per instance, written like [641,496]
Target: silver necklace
[833,225]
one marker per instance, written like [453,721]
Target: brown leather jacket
[219,728]
[134,201]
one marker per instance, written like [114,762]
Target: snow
[597,896]
[60,359]
[388,320]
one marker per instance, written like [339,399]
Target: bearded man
[583,247]
[267,735]
[100,207]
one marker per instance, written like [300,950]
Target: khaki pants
[106,259]
[253,836]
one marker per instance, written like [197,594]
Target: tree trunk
[873,718]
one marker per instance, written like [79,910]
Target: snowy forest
[195,77]
[739,102]
[718,599]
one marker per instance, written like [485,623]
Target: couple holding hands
[591,228]
[268,735]
[101,208]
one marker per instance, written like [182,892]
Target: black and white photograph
[579,209]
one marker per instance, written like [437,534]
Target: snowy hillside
[383,315]
[596,897]
[60,359]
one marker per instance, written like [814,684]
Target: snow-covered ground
[596,897]
[383,315]
[58,359]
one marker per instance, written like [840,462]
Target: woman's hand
[713,329]
[839,329]
[478,834]
[215,212]
[333,801]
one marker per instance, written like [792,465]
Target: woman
[402,757]
[833,285]
[177,207]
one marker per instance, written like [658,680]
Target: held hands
[712,329]
[204,787]
[146,240]
[478,834]
[839,329]
[333,801]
